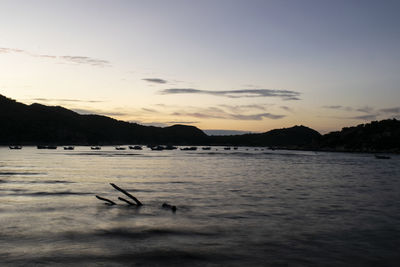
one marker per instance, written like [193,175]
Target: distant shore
[61,146]
[38,124]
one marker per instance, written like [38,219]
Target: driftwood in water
[127,194]
[127,201]
[109,202]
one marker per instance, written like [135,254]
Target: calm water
[235,208]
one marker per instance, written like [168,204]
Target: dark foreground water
[235,208]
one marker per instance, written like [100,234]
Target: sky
[240,65]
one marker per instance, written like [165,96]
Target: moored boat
[46,147]
[170,147]
[135,147]
[15,147]
[189,148]
[157,148]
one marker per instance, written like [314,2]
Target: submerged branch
[109,202]
[127,201]
[127,194]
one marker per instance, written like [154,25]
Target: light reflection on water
[238,207]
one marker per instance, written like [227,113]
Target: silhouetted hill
[376,136]
[294,137]
[39,124]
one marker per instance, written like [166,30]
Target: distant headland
[38,124]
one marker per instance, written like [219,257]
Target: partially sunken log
[127,194]
[109,202]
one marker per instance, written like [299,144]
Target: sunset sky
[244,65]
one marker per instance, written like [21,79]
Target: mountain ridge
[40,124]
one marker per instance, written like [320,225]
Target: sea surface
[244,207]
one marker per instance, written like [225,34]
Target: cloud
[10,50]
[98,112]
[155,124]
[86,60]
[283,94]
[155,80]
[368,117]
[339,107]
[333,107]
[257,117]
[213,113]
[182,122]
[150,110]
[370,112]
[286,108]
[242,108]
[198,115]
[70,59]
[395,110]
[46,56]
[65,100]
[366,109]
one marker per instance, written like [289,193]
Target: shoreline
[392,152]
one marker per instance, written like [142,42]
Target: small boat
[46,147]
[157,148]
[95,148]
[120,148]
[192,148]
[69,148]
[227,148]
[206,148]
[15,147]
[235,148]
[381,157]
[170,147]
[135,147]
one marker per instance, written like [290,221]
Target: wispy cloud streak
[369,113]
[242,108]
[155,80]
[339,107]
[283,94]
[65,100]
[365,117]
[86,60]
[98,112]
[395,110]
[220,114]
[70,59]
